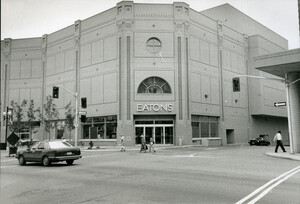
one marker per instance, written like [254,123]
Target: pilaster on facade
[220,65]
[124,23]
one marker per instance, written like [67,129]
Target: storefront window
[214,130]
[204,126]
[106,127]
[195,130]
[86,131]
[204,129]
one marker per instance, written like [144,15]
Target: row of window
[100,128]
[204,126]
[106,127]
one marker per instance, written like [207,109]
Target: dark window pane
[204,129]
[86,132]
[144,122]
[195,130]
[214,129]
[111,130]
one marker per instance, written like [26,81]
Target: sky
[34,18]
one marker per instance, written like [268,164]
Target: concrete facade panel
[203,20]
[110,48]
[110,88]
[97,96]
[15,70]
[36,69]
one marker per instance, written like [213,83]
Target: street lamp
[7,116]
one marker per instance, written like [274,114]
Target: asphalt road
[176,175]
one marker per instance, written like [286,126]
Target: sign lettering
[154,107]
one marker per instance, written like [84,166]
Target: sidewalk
[284,155]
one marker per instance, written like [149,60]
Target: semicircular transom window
[154,85]
[153,45]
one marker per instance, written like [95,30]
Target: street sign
[277,104]
[82,112]
[13,139]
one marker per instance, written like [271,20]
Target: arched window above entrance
[154,85]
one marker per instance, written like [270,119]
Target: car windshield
[59,144]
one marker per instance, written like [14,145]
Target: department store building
[162,70]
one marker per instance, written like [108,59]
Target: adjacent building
[160,70]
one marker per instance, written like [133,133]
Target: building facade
[161,70]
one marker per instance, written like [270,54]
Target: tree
[31,115]
[18,115]
[50,114]
[70,117]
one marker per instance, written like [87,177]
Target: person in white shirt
[122,143]
[278,140]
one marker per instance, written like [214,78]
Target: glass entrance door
[148,134]
[169,135]
[161,133]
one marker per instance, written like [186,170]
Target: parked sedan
[47,152]
[260,141]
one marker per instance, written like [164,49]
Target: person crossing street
[278,140]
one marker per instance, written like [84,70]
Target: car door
[37,154]
[29,154]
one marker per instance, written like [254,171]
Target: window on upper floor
[154,85]
[153,45]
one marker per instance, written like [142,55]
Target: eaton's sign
[154,107]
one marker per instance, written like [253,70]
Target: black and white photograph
[150,101]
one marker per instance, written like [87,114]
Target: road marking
[278,180]
[271,187]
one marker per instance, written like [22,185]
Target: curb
[284,155]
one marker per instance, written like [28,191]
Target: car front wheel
[70,162]
[46,161]
[22,160]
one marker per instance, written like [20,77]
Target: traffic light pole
[76,119]
[76,111]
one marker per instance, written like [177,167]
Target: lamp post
[7,116]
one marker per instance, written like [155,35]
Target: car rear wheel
[22,160]
[46,161]
[70,162]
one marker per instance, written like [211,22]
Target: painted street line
[270,186]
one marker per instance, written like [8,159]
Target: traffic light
[236,84]
[83,102]
[83,118]
[55,92]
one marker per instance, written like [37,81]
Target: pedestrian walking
[278,140]
[143,144]
[151,145]
[122,143]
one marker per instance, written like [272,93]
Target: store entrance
[161,133]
